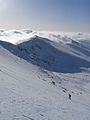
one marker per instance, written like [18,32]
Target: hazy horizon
[46,15]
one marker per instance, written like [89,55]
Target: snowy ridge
[63,54]
[38,73]
[18,36]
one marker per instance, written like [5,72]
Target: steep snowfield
[26,89]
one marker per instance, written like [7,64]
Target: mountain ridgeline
[50,55]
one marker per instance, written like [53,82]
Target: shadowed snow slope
[40,91]
[50,55]
[28,93]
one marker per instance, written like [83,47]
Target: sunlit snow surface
[26,88]
[18,36]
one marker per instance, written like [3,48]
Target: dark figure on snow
[70,96]
[53,82]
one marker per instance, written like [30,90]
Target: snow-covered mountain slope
[51,52]
[18,36]
[40,91]
[27,92]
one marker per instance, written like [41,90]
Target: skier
[53,82]
[70,96]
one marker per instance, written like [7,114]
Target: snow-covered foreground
[27,91]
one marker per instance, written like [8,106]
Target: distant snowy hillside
[18,36]
[38,71]
[55,52]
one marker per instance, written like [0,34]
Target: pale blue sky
[57,15]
